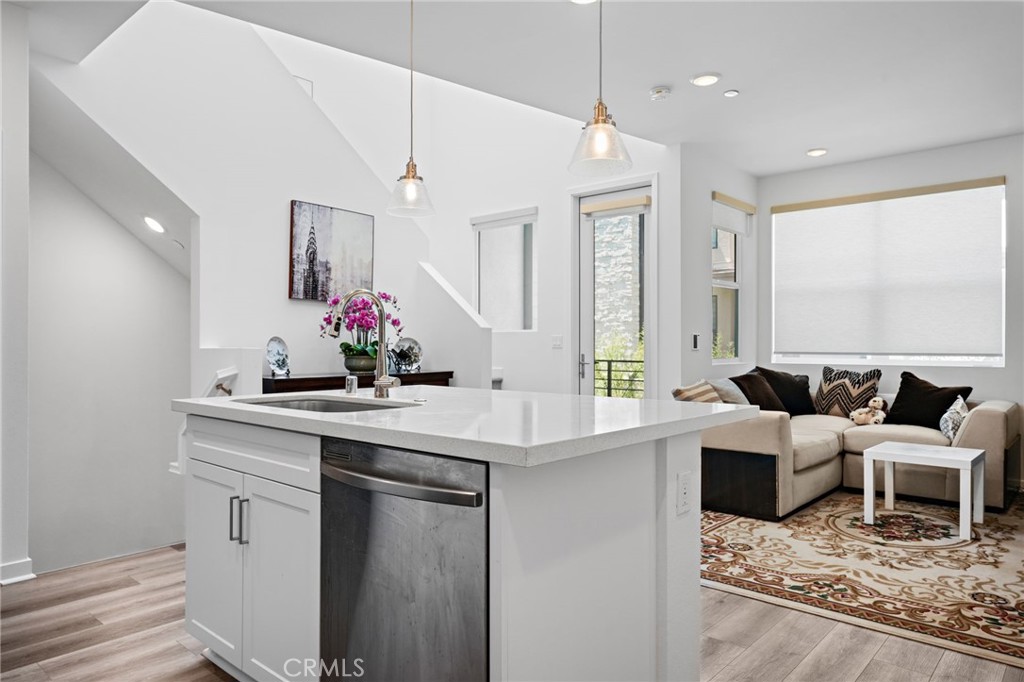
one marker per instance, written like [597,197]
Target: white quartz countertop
[508,427]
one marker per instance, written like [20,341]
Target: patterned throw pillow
[842,391]
[700,392]
[954,418]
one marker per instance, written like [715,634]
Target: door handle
[413,491]
[241,521]
[583,365]
[231,520]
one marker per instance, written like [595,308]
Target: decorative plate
[277,356]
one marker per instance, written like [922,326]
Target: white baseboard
[16,571]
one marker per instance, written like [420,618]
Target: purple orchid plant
[360,320]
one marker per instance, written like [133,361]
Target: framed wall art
[331,251]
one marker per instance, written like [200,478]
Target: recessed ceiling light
[583,2]
[817,151]
[660,93]
[703,80]
[731,93]
[154,225]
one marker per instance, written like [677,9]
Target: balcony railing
[619,378]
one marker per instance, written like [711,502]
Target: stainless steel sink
[324,404]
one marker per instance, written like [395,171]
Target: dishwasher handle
[413,491]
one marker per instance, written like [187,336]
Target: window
[504,282]
[913,275]
[729,220]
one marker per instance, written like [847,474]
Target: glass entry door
[612,243]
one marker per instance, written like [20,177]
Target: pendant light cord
[410,79]
[600,47]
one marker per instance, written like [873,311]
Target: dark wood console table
[326,382]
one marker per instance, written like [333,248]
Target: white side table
[969,461]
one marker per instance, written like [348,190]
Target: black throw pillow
[920,403]
[758,391]
[794,390]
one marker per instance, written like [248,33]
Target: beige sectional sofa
[771,466]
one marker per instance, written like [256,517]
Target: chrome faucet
[382,382]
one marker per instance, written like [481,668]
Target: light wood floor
[123,621]
[746,639]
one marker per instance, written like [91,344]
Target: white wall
[1002,156]
[703,174]
[450,316]
[14,227]
[109,335]
[225,126]
[479,155]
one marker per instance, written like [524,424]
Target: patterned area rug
[908,575]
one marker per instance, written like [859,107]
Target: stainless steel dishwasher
[403,593]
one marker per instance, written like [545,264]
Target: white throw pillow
[953,419]
[729,391]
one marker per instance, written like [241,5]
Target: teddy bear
[874,413]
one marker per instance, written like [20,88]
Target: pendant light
[600,150]
[410,200]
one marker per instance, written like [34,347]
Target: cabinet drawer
[283,456]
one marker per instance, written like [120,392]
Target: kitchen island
[591,508]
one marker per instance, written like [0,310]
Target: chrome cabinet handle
[241,521]
[413,491]
[231,520]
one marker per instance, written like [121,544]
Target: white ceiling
[96,164]
[71,29]
[864,79]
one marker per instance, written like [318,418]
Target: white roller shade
[728,218]
[917,275]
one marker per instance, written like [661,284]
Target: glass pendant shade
[410,198]
[600,152]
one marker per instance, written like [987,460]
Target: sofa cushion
[841,391]
[813,447]
[758,392]
[822,422]
[859,438]
[922,403]
[700,392]
[794,390]
[729,392]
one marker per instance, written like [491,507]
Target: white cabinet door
[282,581]
[213,562]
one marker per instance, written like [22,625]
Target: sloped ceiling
[70,30]
[96,164]
[864,79]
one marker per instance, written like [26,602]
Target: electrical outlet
[684,485]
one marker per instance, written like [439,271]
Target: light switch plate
[556,341]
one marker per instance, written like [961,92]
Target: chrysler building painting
[331,251]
